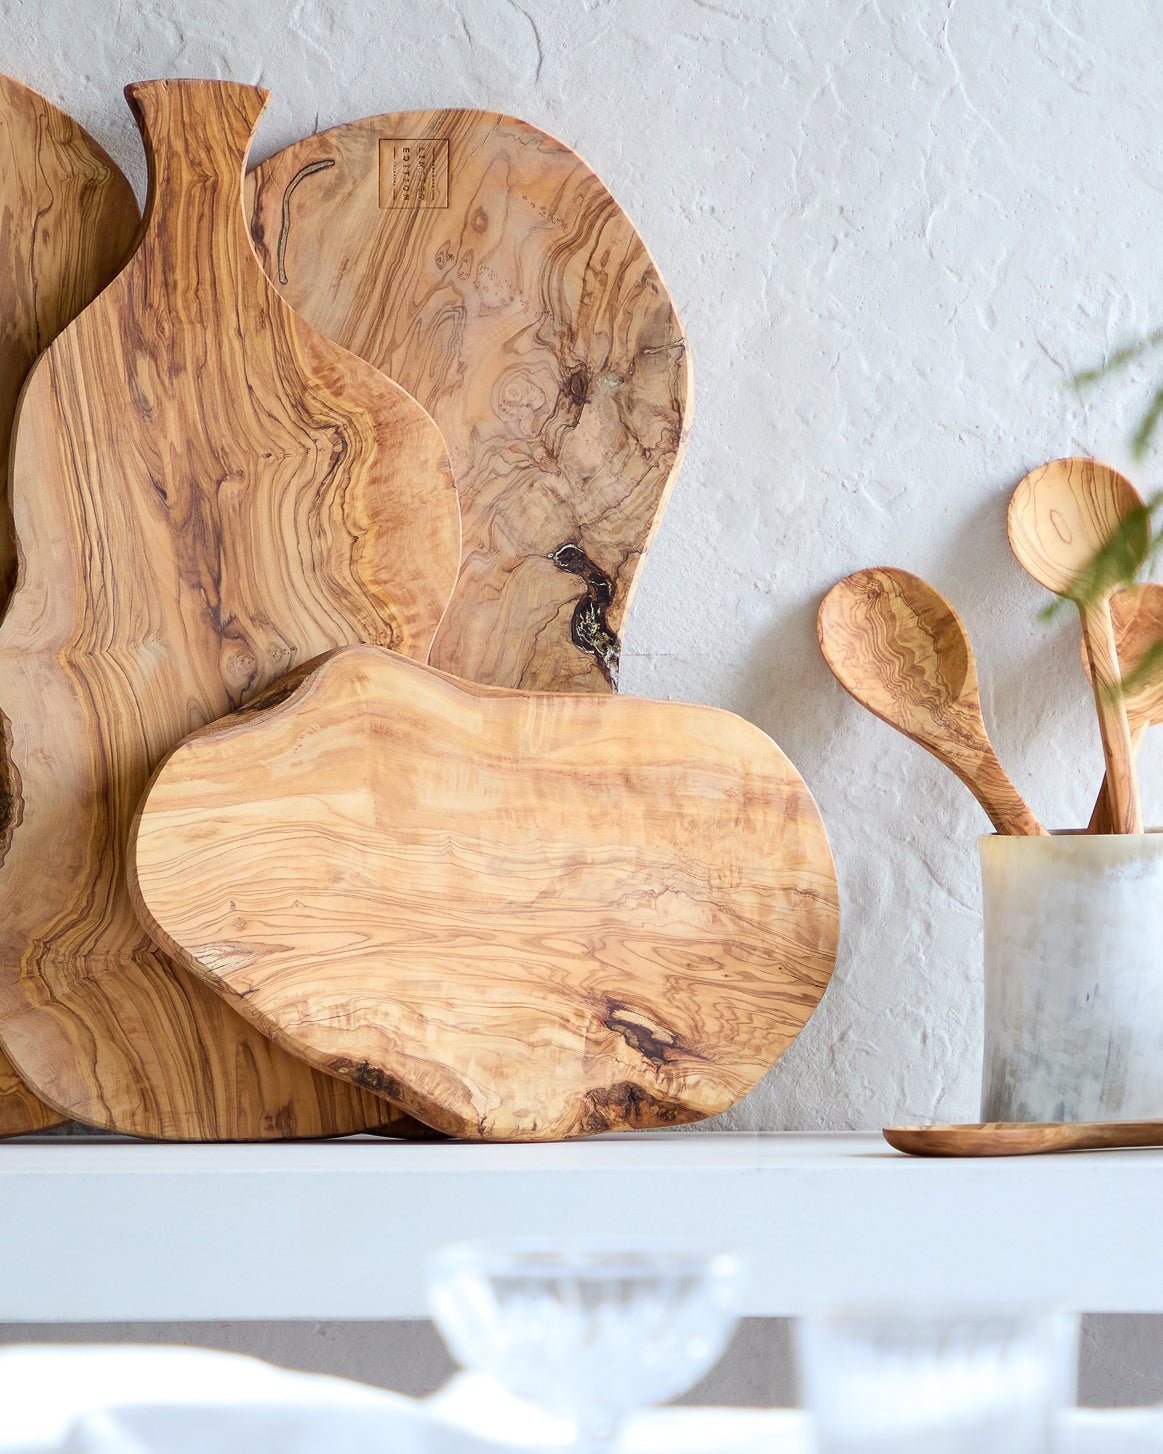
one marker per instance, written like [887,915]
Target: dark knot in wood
[589,629]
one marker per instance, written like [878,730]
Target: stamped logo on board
[413,172]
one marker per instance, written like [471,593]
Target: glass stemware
[585,1329]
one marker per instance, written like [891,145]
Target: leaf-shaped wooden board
[518,916]
[485,267]
[68,219]
[206,490]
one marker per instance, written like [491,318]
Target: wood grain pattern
[518,916]
[206,492]
[485,267]
[897,646]
[68,219]
[1137,619]
[1060,517]
[1022,1138]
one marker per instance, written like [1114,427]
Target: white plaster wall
[893,231]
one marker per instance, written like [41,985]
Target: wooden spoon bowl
[898,646]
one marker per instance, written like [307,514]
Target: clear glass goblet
[584,1329]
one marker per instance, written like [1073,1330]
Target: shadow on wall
[792,695]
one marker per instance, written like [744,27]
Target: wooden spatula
[1022,1138]
[1137,618]
[484,266]
[897,646]
[519,916]
[206,492]
[68,219]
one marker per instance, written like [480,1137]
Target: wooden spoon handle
[1022,1138]
[1102,818]
[1004,806]
[1099,638]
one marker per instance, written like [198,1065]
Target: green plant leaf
[1141,439]
[1118,360]
[1126,553]
[1145,669]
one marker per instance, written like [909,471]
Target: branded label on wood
[414,172]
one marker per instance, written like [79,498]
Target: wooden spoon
[1137,617]
[1060,517]
[899,648]
[1022,1138]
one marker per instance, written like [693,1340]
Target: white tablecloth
[150,1400]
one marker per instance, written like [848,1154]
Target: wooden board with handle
[486,268]
[207,491]
[68,218]
[519,916]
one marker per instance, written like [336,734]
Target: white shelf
[110,1230]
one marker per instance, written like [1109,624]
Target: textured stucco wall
[892,233]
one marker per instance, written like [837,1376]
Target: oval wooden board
[486,268]
[518,916]
[206,490]
[68,218]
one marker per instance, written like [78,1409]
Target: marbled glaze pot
[1073,977]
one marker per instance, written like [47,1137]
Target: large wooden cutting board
[518,916]
[68,219]
[485,267]
[206,492]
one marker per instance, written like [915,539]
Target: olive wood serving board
[485,267]
[68,219]
[519,916]
[1022,1138]
[206,492]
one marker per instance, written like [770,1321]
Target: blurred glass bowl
[582,1328]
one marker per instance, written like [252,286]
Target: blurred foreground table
[106,1230]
